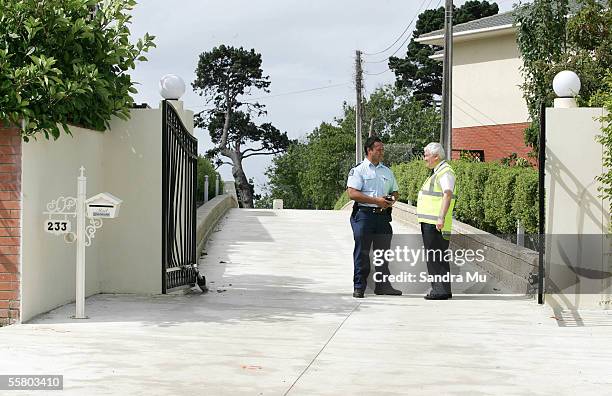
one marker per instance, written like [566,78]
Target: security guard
[435,205]
[374,189]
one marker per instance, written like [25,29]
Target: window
[472,155]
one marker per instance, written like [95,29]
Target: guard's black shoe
[386,291]
[358,293]
[436,297]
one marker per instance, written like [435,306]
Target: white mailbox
[103,205]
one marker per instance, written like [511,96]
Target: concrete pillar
[520,234]
[205,188]
[577,217]
[277,204]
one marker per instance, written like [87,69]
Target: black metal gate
[179,168]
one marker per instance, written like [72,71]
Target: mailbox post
[80,238]
[96,208]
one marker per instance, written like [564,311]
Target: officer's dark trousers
[436,265]
[370,231]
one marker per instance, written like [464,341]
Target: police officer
[435,205]
[374,189]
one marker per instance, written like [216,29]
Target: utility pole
[358,115]
[447,81]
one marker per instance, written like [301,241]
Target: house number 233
[58,226]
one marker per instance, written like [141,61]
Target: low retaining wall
[508,263]
[208,216]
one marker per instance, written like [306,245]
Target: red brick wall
[497,141]
[10,224]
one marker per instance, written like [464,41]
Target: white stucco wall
[130,259]
[574,207]
[49,170]
[486,81]
[125,255]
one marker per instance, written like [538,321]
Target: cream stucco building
[489,113]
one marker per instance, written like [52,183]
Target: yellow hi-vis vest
[430,200]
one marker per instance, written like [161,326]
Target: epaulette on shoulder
[354,168]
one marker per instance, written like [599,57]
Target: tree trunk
[242,184]
[243,188]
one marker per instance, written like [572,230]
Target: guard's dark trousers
[370,231]
[436,265]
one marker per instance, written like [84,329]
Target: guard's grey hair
[435,149]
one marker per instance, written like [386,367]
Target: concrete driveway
[280,319]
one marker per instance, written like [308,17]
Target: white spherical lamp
[171,87]
[566,85]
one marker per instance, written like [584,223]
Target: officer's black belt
[374,210]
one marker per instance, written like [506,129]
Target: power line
[475,109]
[399,37]
[407,37]
[378,74]
[480,123]
[488,128]
[502,1]
[396,51]
[298,92]
[283,94]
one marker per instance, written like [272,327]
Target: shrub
[498,198]
[205,167]
[397,153]
[489,196]
[525,203]
[604,98]
[410,177]
[471,181]
[66,61]
[343,199]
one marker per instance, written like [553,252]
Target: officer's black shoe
[386,290]
[358,293]
[436,297]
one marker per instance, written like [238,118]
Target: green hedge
[472,178]
[205,167]
[498,197]
[490,196]
[410,177]
[525,203]
[342,200]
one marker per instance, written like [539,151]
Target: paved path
[280,319]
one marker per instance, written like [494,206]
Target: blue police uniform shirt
[372,180]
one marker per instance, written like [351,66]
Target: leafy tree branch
[65,62]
